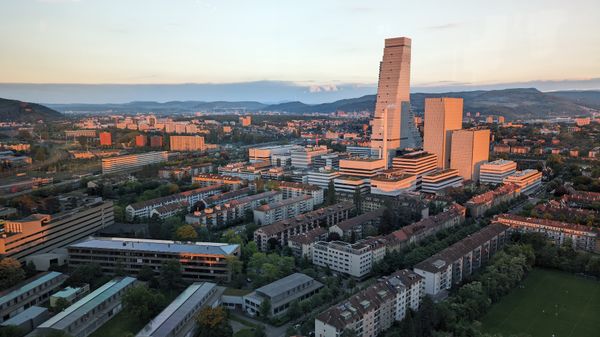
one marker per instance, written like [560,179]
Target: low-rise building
[453,264]
[393,182]
[132,161]
[322,177]
[178,319]
[85,316]
[582,237]
[355,226]
[279,232]
[208,179]
[200,261]
[69,294]
[34,291]
[282,210]
[281,293]
[293,190]
[28,319]
[481,203]
[302,244]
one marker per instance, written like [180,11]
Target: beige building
[187,143]
[393,90]
[361,167]
[470,149]
[442,116]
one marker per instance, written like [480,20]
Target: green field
[550,303]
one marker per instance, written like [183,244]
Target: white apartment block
[527,180]
[132,161]
[294,189]
[282,210]
[495,171]
[355,260]
[374,309]
[303,158]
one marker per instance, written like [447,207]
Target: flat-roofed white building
[349,184]
[528,180]
[322,177]
[178,319]
[132,161]
[438,181]
[416,163]
[354,259]
[282,210]
[85,316]
[361,167]
[393,183]
[303,157]
[495,171]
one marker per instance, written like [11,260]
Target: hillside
[589,98]
[17,111]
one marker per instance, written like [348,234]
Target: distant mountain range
[513,104]
[12,110]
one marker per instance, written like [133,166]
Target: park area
[548,304]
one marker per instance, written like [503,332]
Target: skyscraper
[442,116]
[393,95]
[470,149]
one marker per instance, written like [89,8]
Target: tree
[87,273]
[357,198]
[294,310]
[186,233]
[141,303]
[61,304]
[259,331]
[212,322]
[11,272]
[265,308]
[170,274]
[330,199]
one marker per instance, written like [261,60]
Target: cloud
[323,88]
[450,25]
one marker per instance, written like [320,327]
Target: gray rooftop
[29,313]
[280,286]
[16,292]
[176,312]
[82,307]
[165,246]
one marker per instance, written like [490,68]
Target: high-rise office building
[470,149]
[442,116]
[393,97]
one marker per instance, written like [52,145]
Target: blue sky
[318,45]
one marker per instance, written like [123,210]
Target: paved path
[270,330]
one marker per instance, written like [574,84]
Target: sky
[322,49]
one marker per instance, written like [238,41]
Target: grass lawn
[120,325]
[244,333]
[550,303]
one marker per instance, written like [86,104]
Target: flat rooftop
[280,286]
[15,292]
[147,245]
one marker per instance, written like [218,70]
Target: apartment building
[302,244]
[187,143]
[355,226]
[41,233]
[88,314]
[232,211]
[132,161]
[28,293]
[279,232]
[220,199]
[481,203]
[528,181]
[200,261]
[282,210]
[354,259]
[187,199]
[495,171]
[373,310]
[438,181]
[294,189]
[582,237]
[281,293]
[453,264]
[208,179]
